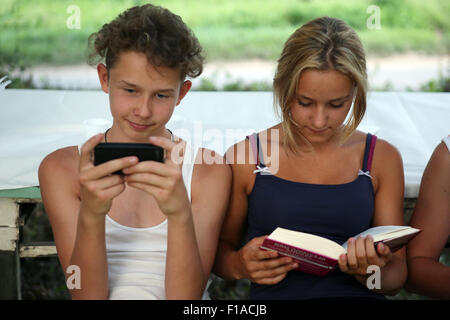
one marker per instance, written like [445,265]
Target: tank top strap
[256,149]
[368,152]
[260,153]
[253,146]
[257,152]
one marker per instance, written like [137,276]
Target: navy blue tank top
[335,212]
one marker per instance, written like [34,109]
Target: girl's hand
[261,266]
[164,181]
[361,253]
[98,184]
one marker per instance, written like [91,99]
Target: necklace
[106,133]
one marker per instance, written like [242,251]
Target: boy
[151,233]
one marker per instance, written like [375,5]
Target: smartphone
[104,152]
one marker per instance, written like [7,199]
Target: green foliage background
[36,31]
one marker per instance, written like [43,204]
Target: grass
[37,31]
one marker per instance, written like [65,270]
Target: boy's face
[142,97]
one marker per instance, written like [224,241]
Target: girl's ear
[185,87]
[103,77]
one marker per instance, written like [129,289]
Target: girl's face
[322,103]
[142,97]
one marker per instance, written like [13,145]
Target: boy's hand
[164,181]
[98,184]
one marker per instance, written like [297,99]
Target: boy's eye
[162,96]
[129,90]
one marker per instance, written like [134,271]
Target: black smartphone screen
[104,152]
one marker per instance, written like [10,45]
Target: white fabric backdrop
[36,122]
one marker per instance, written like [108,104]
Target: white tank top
[137,256]
[446,140]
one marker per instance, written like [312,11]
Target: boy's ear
[185,87]
[103,77]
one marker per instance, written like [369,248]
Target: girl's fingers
[351,254]
[259,254]
[343,263]
[384,251]
[274,263]
[372,257]
[270,281]
[274,272]
[361,251]
[257,241]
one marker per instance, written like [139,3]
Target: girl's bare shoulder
[242,152]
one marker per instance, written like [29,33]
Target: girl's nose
[319,118]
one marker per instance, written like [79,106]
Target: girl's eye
[304,104]
[336,105]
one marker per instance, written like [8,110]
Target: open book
[319,256]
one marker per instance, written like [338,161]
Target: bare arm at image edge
[426,275]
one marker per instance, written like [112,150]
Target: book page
[308,242]
[385,232]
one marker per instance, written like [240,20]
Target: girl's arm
[387,172]
[249,262]
[432,215]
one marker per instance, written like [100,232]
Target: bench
[16,206]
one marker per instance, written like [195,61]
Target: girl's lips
[139,127]
[318,131]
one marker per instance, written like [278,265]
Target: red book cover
[308,262]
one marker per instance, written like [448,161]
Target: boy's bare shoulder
[60,163]
[209,163]
[211,176]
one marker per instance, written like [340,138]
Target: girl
[151,233]
[326,179]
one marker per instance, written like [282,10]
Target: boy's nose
[143,109]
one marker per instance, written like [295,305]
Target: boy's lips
[138,126]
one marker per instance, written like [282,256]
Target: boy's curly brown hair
[155,31]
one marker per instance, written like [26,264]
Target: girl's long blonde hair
[323,43]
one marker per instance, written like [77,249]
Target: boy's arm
[191,246]
[76,243]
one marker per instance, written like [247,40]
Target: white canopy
[37,122]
